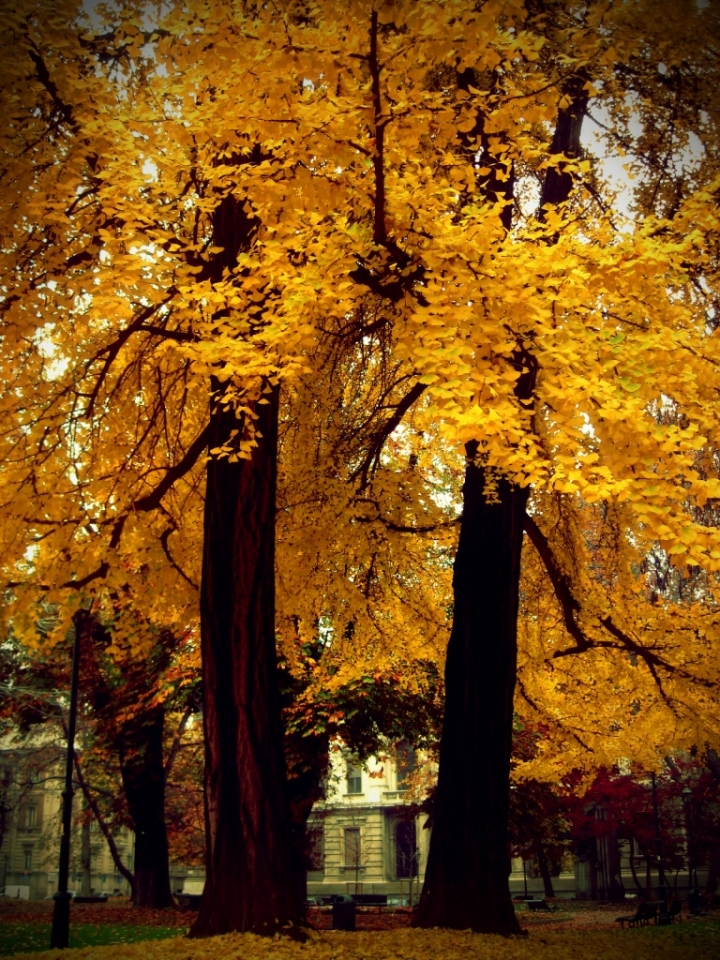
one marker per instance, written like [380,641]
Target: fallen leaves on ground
[117,912]
[684,942]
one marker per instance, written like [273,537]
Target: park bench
[696,903]
[646,913]
[378,900]
[189,901]
[536,905]
[99,898]
[675,911]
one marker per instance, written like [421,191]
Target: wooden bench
[646,913]
[189,901]
[378,900]
[100,898]
[536,905]
[675,911]
[696,903]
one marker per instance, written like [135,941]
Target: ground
[574,932]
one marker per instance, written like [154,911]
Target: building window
[316,849]
[405,763]
[405,850]
[30,814]
[354,777]
[352,847]
[27,861]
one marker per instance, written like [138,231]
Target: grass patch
[31,937]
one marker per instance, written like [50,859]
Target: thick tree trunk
[251,882]
[466,881]
[304,790]
[143,774]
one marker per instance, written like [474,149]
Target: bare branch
[92,803]
[373,455]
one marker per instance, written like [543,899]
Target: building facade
[31,784]
[365,836]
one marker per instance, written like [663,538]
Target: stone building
[365,836]
[31,783]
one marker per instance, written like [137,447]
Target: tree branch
[151,501]
[713,761]
[379,231]
[92,803]
[568,604]
[175,748]
[43,76]
[570,607]
[114,349]
[373,455]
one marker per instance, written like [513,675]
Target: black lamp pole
[692,874]
[662,888]
[60,932]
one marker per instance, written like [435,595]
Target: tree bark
[100,820]
[85,859]
[143,775]
[466,881]
[544,869]
[633,870]
[250,877]
[713,876]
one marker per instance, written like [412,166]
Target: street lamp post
[60,932]
[692,872]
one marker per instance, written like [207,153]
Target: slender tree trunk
[141,763]
[250,868]
[544,869]
[304,790]
[100,820]
[85,859]
[713,869]
[466,881]
[633,870]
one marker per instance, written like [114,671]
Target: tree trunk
[250,871]
[713,868]
[544,869]
[633,870]
[305,788]
[466,881]
[85,859]
[143,774]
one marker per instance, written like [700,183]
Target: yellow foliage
[118,310]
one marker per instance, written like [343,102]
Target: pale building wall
[30,849]
[375,811]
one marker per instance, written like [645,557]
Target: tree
[374,187]
[122,762]
[538,820]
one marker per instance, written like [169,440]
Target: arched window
[405,850]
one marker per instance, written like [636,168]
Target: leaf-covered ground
[682,942]
[576,931]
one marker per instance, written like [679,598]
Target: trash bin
[343,912]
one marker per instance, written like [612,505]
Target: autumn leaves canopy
[375,220]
